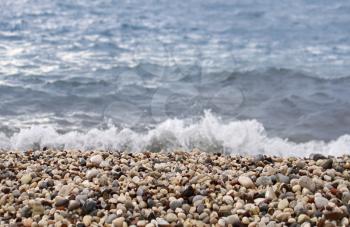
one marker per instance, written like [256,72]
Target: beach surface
[100,188]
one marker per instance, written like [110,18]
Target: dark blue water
[131,75]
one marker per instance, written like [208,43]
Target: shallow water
[111,74]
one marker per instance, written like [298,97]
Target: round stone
[87,219]
[89,206]
[171,217]
[283,204]
[320,202]
[246,182]
[73,205]
[111,218]
[96,159]
[228,199]
[175,204]
[263,181]
[92,173]
[118,222]
[26,179]
[307,182]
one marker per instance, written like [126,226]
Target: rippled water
[70,69]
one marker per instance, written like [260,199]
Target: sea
[240,77]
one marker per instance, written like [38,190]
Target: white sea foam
[209,134]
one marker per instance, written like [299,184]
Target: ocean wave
[209,134]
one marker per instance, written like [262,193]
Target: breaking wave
[210,134]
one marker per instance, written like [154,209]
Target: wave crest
[209,134]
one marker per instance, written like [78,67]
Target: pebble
[73,204]
[307,182]
[110,218]
[327,164]
[118,222]
[270,193]
[228,199]
[87,219]
[320,202]
[89,206]
[61,202]
[92,173]
[246,182]
[175,204]
[171,217]
[232,220]
[303,218]
[162,222]
[283,204]
[316,157]
[282,178]
[263,181]
[96,159]
[61,188]
[26,179]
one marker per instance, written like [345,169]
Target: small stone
[320,202]
[197,198]
[228,199]
[327,164]
[61,202]
[150,225]
[200,208]
[303,218]
[283,204]
[118,222]
[37,208]
[246,182]
[27,222]
[26,212]
[73,205]
[96,159]
[162,222]
[258,158]
[245,220]
[6,190]
[171,217]
[263,181]
[188,192]
[82,161]
[26,179]
[270,193]
[334,215]
[283,216]
[92,173]
[222,222]
[87,219]
[316,157]
[136,179]
[65,190]
[110,218]
[141,223]
[307,182]
[300,164]
[299,208]
[345,198]
[225,210]
[175,204]
[89,206]
[232,220]
[282,178]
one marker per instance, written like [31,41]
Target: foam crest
[209,134]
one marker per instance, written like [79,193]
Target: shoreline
[100,188]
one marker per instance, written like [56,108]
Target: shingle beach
[99,188]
